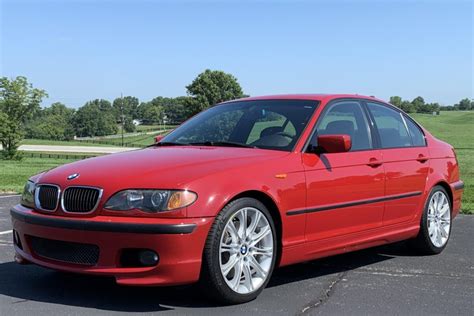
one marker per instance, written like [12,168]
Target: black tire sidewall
[211,263]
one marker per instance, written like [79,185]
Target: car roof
[316,97]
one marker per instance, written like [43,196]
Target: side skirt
[348,243]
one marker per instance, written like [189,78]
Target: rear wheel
[240,252]
[435,228]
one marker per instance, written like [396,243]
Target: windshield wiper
[167,144]
[222,144]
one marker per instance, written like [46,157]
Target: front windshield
[267,124]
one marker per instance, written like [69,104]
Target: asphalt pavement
[388,280]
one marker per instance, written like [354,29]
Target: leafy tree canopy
[95,118]
[212,87]
[128,106]
[19,101]
[54,122]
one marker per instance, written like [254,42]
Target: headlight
[28,196]
[151,201]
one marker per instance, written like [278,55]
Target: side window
[390,125]
[417,137]
[346,117]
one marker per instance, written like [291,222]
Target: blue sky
[82,50]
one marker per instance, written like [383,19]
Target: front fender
[281,179]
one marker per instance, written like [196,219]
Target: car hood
[156,167]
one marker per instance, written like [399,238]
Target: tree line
[418,105]
[22,116]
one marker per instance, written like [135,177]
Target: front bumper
[178,242]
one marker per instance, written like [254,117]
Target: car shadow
[33,283]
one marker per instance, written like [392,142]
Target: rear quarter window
[417,137]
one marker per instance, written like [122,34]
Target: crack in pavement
[324,296]
[403,272]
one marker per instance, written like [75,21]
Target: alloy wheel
[246,250]
[439,219]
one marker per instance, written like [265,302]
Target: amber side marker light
[180,199]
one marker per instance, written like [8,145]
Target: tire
[436,222]
[229,253]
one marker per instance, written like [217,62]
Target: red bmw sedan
[242,188]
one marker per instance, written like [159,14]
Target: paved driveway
[389,280]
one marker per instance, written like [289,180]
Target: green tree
[19,101]
[128,125]
[433,107]
[54,122]
[95,118]
[396,100]
[150,112]
[464,104]
[127,105]
[177,110]
[408,107]
[211,87]
[418,103]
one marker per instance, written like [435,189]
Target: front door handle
[422,158]
[374,162]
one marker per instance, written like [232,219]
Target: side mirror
[158,138]
[334,143]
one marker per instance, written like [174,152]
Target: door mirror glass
[334,143]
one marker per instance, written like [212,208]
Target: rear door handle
[374,162]
[422,158]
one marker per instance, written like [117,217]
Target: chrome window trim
[101,191]
[37,202]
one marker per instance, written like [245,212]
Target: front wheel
[435,228]
[240,252]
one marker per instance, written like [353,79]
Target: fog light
[136,257]
[148,258]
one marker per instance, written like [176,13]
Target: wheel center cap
[243,249]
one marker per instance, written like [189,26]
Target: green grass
[133,141]
[14,174]
[60,143]
[129,141]
[456,128]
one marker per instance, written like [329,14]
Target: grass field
[136,141]
[129,141]
[13,174]
[457,128]
[61,143]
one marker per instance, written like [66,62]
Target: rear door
[344,190]
[405,159]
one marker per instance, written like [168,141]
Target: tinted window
[268,124]
[390,125]
[348,118]
[417,137]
